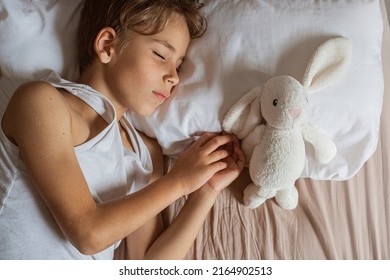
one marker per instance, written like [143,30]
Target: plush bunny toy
[276,150]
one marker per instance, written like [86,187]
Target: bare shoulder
[34,104]
[34,91]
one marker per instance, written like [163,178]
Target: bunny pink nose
[294,112]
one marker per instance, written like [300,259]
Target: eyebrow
[169,46]
[166,44]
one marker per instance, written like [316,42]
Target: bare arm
[177,239]
[38,121]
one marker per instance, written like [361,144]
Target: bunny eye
[275,102]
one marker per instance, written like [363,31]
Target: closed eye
[159,55]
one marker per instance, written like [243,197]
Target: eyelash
[159,56]
[164,59]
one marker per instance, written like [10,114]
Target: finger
[218,166]
[239,157]
[218,155]
[231,145]
[235,141]
[216,142]
[206,137]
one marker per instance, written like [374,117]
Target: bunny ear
[328,63]
[245,114]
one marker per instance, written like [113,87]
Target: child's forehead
[164,43]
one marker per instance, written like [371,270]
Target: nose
[172,77]
[294,113]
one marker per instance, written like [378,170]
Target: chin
[145,112]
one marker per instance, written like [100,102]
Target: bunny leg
[267,192]
[254,196]
[287,198]
[251,198]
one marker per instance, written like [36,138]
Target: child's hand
[235,163]
[206,158]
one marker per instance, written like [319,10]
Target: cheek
[139,69]
[150,75]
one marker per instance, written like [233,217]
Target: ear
[328,63]
[245,114]
[104,44]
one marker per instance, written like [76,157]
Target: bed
[344,206]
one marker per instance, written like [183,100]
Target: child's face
[143,75]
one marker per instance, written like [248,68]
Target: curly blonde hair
[128,16]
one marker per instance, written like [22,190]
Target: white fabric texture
[37,37]
[247,42]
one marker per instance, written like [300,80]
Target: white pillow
[248,42]
[38,36]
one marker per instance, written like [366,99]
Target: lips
[161,95]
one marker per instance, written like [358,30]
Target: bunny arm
[324,148]
[254,138]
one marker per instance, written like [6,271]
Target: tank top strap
[93,98]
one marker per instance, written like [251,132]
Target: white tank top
[27,228]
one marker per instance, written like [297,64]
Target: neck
[93,77]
